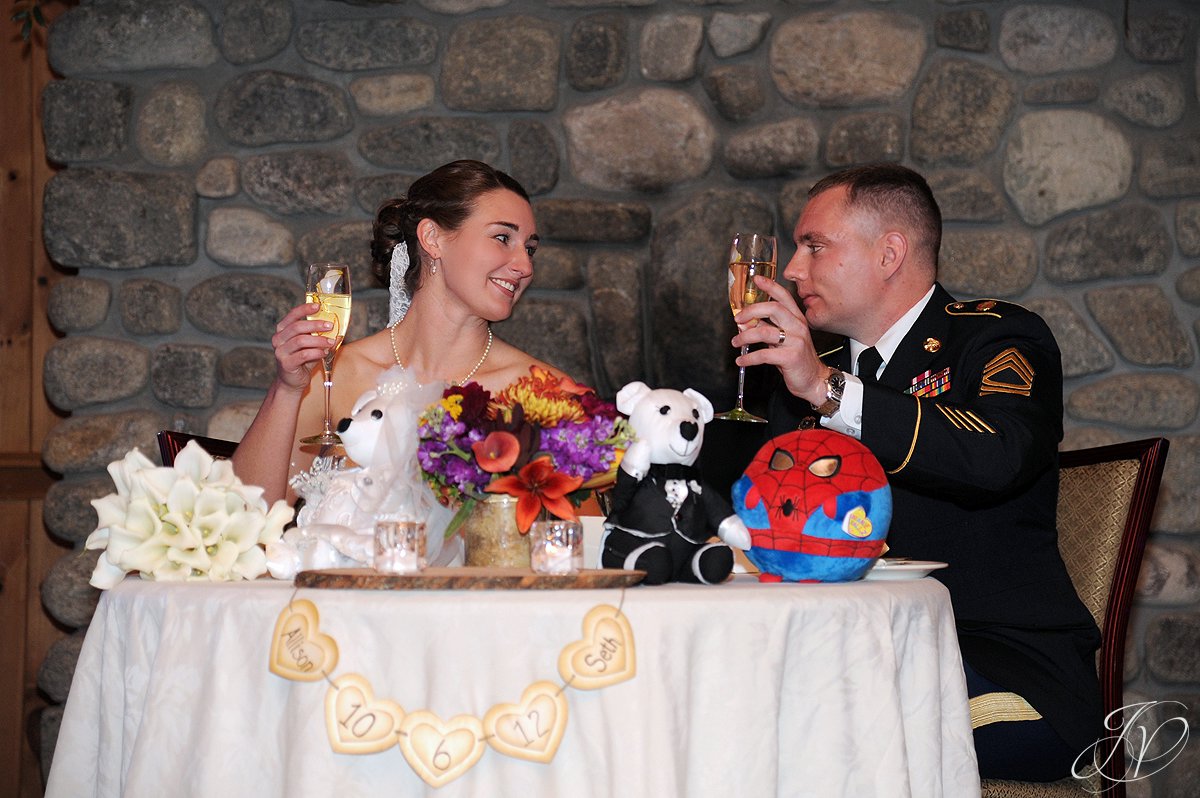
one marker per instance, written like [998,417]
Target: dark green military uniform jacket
[966,420]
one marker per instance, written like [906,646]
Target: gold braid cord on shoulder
[912,447]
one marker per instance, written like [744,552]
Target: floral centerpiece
[545,440]
[195,520]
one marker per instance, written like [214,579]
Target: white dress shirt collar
[890,340]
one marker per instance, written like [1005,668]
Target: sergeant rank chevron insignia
[1007,372]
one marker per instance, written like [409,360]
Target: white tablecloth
[741,689]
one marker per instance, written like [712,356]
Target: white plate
[902,569]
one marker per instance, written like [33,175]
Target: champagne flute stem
[327,365]
[742,381]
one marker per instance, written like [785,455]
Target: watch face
[836,383]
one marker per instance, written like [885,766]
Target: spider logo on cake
[818,506]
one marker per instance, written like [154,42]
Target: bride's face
[488,261]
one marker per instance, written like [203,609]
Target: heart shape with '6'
[439,751]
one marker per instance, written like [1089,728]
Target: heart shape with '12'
[532,728]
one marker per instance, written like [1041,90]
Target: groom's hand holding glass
[788,339]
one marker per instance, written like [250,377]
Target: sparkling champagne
[742,290]
[335,308]
[328,285]
[750,255]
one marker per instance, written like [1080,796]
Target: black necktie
[869,361]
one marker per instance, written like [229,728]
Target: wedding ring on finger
[782,337]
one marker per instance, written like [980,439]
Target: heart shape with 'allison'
[532,728]
[299,651]
[605,656]
[356,721]
[440,751]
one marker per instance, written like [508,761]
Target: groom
[961,401]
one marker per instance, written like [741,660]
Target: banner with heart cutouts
[439,751]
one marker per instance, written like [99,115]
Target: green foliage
[27,13]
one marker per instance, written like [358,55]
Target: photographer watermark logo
[1150,735]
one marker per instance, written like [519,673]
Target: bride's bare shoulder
[370,355]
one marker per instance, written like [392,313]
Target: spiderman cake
[817,505]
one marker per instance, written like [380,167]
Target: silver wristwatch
[835,384]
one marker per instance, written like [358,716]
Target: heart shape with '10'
[356,721]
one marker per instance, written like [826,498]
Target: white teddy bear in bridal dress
[336,526]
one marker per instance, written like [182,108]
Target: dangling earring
[433,268]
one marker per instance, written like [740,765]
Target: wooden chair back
[171,442]
[1106,500]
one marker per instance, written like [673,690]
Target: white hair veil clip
[399,298]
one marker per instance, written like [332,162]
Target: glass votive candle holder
[556,546]
[399,547]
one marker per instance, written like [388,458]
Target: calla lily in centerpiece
[497,452]
[195,520]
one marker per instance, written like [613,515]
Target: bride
[459,250]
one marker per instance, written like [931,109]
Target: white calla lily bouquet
[192,521]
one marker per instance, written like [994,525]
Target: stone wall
[213,146]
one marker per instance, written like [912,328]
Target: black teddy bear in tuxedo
[662,514]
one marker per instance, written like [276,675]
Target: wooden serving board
[466,578]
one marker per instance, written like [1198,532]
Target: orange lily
[568,385]
[538,485]
[497,452]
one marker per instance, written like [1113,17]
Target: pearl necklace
[486,351]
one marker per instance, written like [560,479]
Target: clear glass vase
[491,535]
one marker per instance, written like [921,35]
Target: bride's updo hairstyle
[447,195]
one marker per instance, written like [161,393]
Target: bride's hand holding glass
[300,345]
[328,286]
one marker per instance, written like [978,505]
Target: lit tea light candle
[556,547]
[399,547]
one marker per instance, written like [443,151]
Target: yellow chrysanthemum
[453,405]
[550,411]
[541,394]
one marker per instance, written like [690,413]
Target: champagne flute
[329,285]
[750,255]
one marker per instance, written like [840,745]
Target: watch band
[835,384]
